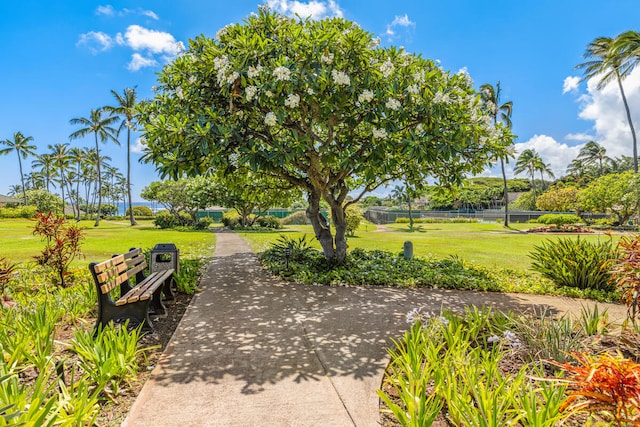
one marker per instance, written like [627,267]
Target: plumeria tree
[321,106]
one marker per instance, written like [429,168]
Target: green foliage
[187,277]
[626,275]
[524,202]
[575,263]
[44,201]
[296,218]
[559,198]
[111,358]
[165,219]
[354,219]
[559,219]
[453,361]
[618,194]
[62,244]
[203,223]
[374,268]
[269,221]
[18,212]
[140,211]
[106,209]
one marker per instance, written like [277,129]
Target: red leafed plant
[7,269]
[626,274]
[605,385]
[62,243]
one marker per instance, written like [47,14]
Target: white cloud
[108,10]
[399,21]
[314,9]
[142,39]
[139,146]
[105,10]
[605,108]
[138,61]
[581,137]
[570,84]
[95,41]
[557,155]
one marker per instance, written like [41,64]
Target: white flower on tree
[340,78]
[292,100]
[420,130]
[310,91]
[270,119]
[254,72]
[327,59]
[282,73]
[379,133]
[386,68]
[250,92]
[179,93]
[232,77]
[413,89]
[221,63]
[393,104]
[442,98]
[365,96]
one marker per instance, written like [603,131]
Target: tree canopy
[321,106]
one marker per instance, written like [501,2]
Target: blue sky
[61,59]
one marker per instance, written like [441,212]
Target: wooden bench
[136,299]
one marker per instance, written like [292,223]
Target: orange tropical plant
[606,385]
[626,275]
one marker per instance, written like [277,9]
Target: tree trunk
[321,226]
[132,219]
[505,193]
[97,223]
[410,216]
[633,131]
[340,223]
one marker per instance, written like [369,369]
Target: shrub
[18,212]
[559,219]
[402,220]
[62,243]
[354,217]
[625,273]
[165,219]
[296,218]
[575,263]
[141,211]
[203,223]
[269,221]
[231,219]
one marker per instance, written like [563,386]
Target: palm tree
[609,61]
[527,161]
[102,130]
[577,168]
[543,168]
[592,153]
[78,157]
[125,108]
[20,144]
[500,113]
[61,160]
[45,163]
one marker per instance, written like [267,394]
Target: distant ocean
[155,207]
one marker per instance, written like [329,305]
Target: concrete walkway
[253,350]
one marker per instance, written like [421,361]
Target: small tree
[62,243]
[319,105]
[559,198]
[617,194]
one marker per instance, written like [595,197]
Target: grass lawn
[20,245]
[485,244]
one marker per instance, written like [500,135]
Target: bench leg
[137,312]
[159,311]
[167,290]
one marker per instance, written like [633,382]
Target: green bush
[203,223]
[165,219]
[18,212]
[296,218]
[402,220]
[559,219]
[354,217]
[269,221]
[231,219]
[575,263]
[141,211]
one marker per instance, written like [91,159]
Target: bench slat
[99,268]
[107,275]
[145,290]
[108,286]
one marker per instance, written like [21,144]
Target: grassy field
[486,244]
[18,244]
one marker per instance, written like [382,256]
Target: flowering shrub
[560,229]
[62,243]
